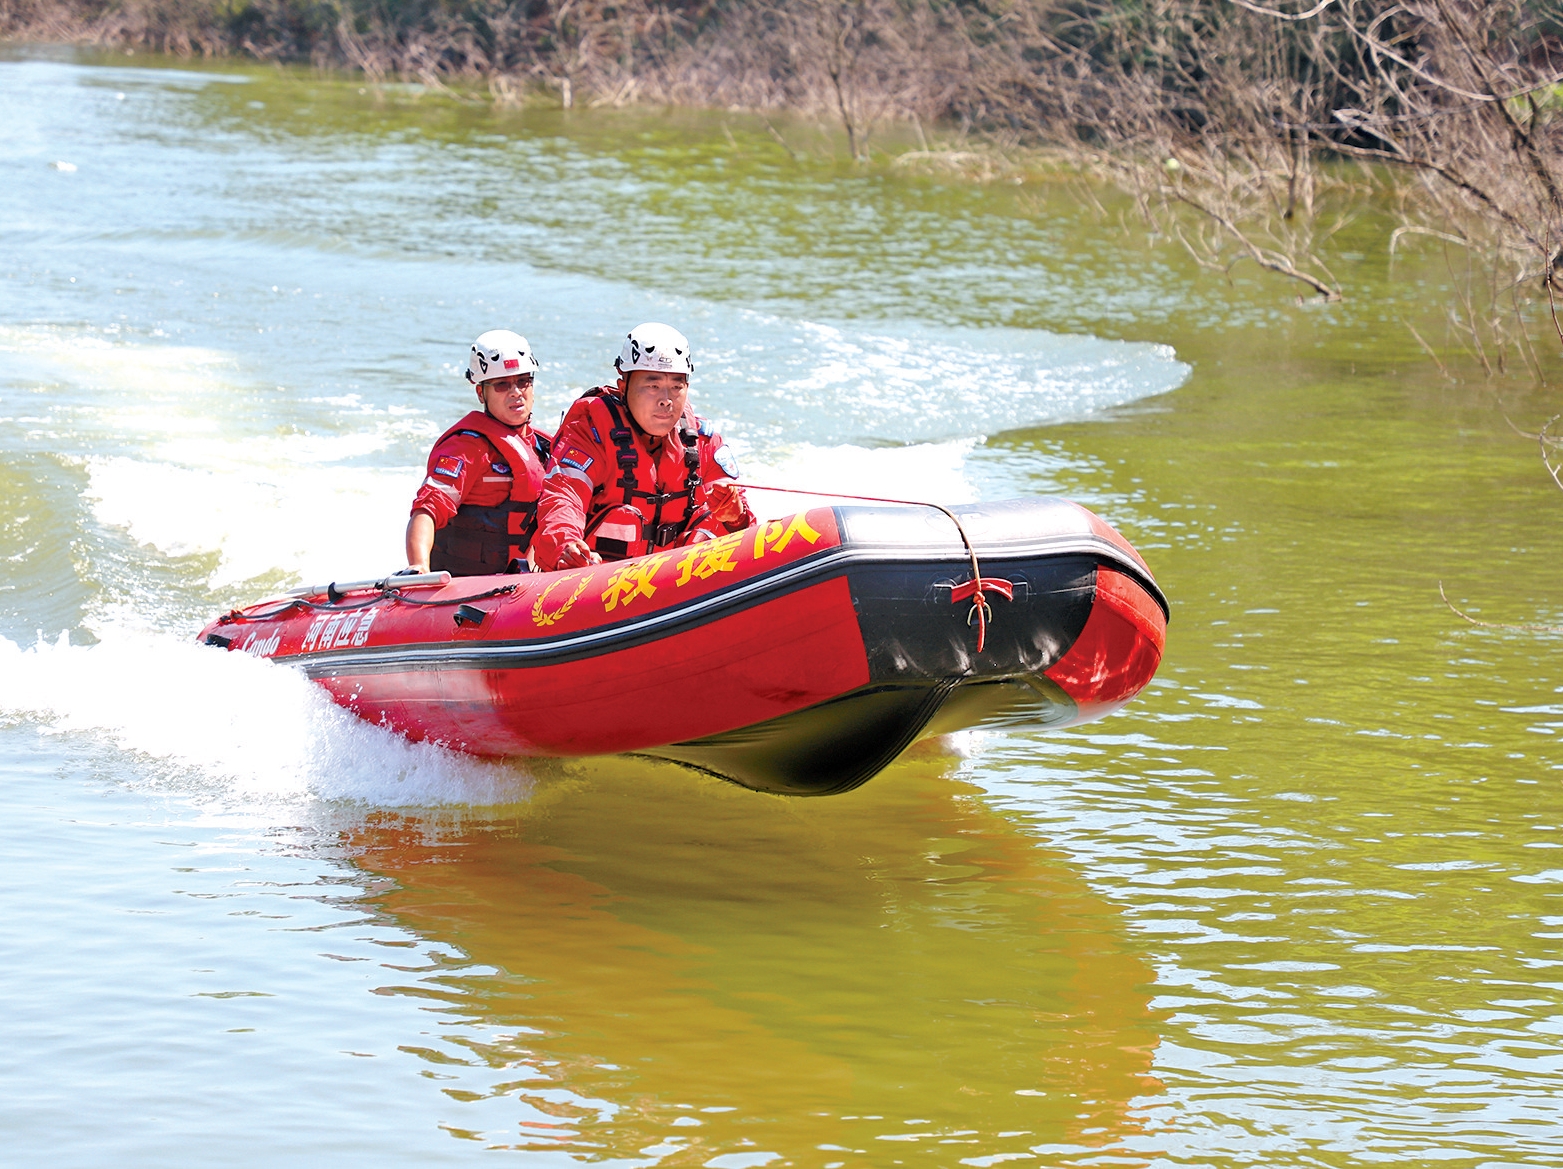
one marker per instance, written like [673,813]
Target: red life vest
[482,541]
[634,514]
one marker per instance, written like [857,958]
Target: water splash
[909,381]
[258,513]
[232,731]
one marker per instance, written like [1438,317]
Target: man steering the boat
[635,469]
[476,512]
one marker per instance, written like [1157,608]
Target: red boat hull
[800,656]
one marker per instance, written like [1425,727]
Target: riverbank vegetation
[1249,131]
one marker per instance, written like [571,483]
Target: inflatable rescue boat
[799,656]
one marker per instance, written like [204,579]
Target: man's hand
[551,552]
[727,503]
[576,554]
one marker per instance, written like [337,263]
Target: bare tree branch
[1464,616]
[1312,12]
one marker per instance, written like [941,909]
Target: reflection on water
[654,961]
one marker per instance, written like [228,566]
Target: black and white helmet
[500,353]
[656,347]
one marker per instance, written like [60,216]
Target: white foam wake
[259,514]
[234,731]
[909,382]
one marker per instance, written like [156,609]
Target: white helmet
[500,353]
[657,347]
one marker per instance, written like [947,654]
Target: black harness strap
[624,447]
[691,441]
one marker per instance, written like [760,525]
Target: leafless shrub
[857,61]
[1462,94]
[1198,110]
[183,27]
[1227,121]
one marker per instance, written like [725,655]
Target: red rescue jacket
[637,494]
[481,490]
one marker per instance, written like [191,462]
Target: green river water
[1299,904]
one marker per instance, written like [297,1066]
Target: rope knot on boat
[981,612]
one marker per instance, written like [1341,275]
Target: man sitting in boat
[634,468]
[476,512]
